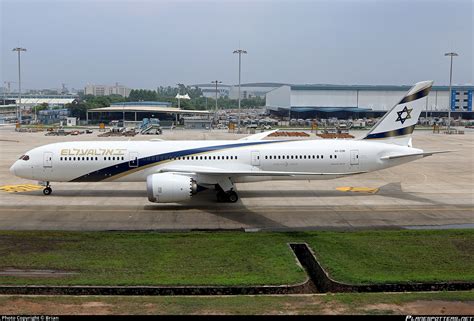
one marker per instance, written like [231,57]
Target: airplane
[174,171]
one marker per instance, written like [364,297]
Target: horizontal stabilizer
[424,154]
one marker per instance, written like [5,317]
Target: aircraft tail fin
[397,125]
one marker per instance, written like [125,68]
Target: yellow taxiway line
[20,188]
[371,190]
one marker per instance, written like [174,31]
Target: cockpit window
[25,157]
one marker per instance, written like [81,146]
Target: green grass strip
[236,258]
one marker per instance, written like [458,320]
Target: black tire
[232,197]
[47,191]
[221,196]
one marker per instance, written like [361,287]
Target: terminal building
[137,111]
[28,101]
[358,101]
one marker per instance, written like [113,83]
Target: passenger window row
[151,158]
[298,156]
[112,158]
[218,157]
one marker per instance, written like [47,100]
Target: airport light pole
[216,82]
[450,54]
[179,93]
[240,52]
[426,109]
[179,102]
[19,50]
[5,91]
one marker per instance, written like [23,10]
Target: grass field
[396,256]
[350,303]
[110,258]
[235,258]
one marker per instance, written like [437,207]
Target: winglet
[259,136]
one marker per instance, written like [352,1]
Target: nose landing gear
[47,190]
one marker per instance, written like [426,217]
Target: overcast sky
[143,44]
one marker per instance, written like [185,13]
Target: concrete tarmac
[436,191]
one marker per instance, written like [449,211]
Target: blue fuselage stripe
[110,171]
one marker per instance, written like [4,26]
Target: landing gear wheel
[221,196]
[228,197]
[47,190]
[232,197]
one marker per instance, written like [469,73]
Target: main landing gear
[47,190]
[227,197]
[225,191]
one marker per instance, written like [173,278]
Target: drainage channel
[318,281]
[324,283]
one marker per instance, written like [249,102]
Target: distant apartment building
[104,90]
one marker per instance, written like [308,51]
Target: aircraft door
[47,159]
[255,158]
[354,157]
[133,159]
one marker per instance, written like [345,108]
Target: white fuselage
[133,161]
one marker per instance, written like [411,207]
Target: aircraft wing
[424,154]
[225,172]
[259,136]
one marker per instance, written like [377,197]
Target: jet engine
[169,188]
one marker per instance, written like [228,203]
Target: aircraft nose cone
[12,169]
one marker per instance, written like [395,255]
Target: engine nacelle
[169,188]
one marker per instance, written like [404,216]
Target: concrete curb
[300,288]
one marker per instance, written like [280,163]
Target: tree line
[79,107]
